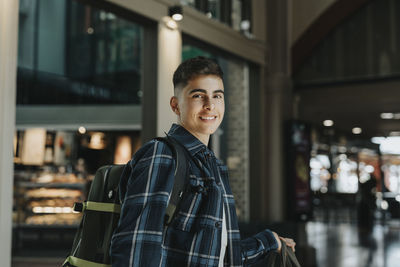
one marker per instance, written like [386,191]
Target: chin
[210,130]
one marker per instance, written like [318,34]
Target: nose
[209,105]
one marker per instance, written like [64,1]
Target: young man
[205,231]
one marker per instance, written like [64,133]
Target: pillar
[8,71]
[169,57]
[278,103]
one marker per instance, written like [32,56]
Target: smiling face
[200,106]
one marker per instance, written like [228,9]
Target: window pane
[371,53]
[235,13]
[71,53]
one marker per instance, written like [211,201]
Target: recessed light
[82,130]
[177,17]
[328,123]
[356,130]
[387,116]
[176,12]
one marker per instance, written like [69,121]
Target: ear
[174,105]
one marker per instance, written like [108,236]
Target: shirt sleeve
[145,187]
[255,248]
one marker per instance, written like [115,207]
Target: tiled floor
[342,245]
[338,243]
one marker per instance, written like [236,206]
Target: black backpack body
[101,210]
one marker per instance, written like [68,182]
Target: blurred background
[311,134]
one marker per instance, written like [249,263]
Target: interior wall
[304,13]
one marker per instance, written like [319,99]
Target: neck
[204,138]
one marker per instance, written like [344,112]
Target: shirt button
[218,224]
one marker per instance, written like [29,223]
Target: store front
[80,86]
[341,168]
[332,172]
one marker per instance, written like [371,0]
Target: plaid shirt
[194,236]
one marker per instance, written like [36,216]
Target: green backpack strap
[97,206]
[182,158]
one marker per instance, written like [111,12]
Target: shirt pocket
[190,204]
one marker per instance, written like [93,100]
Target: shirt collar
[192,144]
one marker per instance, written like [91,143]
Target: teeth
[207,118]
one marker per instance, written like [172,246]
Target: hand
[288,242]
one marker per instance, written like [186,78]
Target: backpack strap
[97,206]
[182,157]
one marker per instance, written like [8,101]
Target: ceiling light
[356,130]
[175,12]
[245,25]
[387,116]
[82,130]
[328,123]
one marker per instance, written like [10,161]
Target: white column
[169,57]
[8,69]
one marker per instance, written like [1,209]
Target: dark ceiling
[353,105]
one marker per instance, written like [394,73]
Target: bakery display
[47,198]
[54,219]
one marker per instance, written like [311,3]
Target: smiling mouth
[208,118]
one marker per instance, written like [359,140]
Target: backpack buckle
[78,207]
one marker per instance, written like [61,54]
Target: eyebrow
[205,91]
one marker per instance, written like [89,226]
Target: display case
[43,206]
[53,169]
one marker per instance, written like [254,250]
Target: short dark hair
[193,67]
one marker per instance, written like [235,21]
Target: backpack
[101,211]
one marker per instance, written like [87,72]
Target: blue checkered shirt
[194,236]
